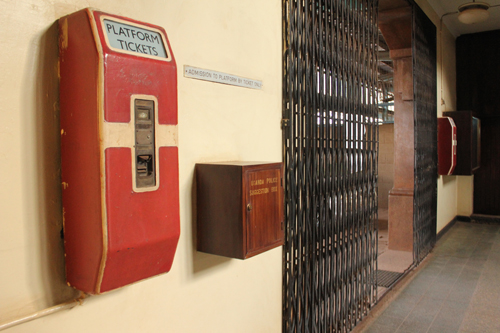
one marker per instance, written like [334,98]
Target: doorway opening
[407,162]
[331,268]
[395,169]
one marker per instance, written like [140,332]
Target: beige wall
[465,189]
[385,164]
[455,193]
[448,195]
[202,293]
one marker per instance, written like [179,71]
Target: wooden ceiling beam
[400,13]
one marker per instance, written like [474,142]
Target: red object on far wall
[447,145]
[119,155]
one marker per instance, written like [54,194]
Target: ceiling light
[473,12]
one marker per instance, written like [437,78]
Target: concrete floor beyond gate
[455,289]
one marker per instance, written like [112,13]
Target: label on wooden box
[263,205]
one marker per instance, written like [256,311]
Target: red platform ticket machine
[447,145]
[118,99]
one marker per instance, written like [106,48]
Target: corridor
[455,289]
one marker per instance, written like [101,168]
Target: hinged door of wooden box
[263,199]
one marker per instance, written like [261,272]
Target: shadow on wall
[202,262]
[48,173]
[448,179]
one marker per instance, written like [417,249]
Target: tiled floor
[395,261]
[383,234]
[389,260]
[456,289]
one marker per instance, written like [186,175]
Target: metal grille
[424,81]
[330,151]
[387,278]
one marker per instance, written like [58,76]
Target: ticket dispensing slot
[145,171]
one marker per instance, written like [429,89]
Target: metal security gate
[424,87]
[330,135]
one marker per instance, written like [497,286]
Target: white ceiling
[455,26]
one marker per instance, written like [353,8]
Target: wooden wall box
[239,208]
[468,142]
